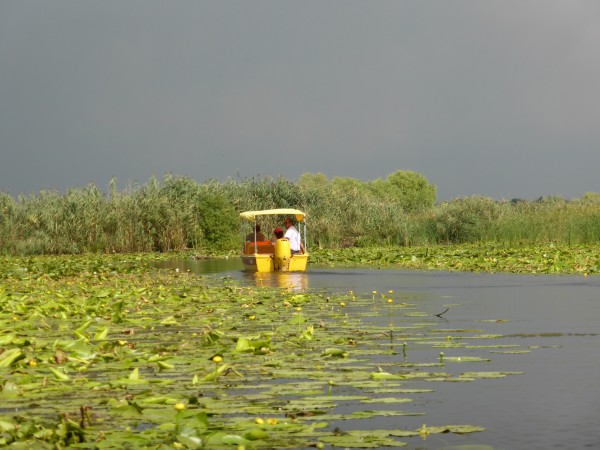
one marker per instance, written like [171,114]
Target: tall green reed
[178,213]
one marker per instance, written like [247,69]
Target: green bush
[466,220]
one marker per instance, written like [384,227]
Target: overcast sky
[499,98]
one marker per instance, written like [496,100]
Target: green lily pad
[463,359]
[353,439]
[457,429]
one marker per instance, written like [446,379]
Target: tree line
[178,213]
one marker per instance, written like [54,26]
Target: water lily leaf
[156,357]
[9,357]
[510,352]
[451,380]
[101,335]
[164,366]
[59,374]
[79,348]
[455,330]
[233,439]
[251,345]
[382,375]
[7,338]
[132,380]
[387,400]
[460,359]
[256,434]
[117,315]
[366,414]
[211,337]
[334,352]
[243,345]
[493,346]
[299,298]
[130,409]
[10,389]
[488,374]
[212,376]
[297,319]
[169,321]
[339,398]
[6,426]
[446,344]
[309,333]
[190,440]
[354,439]
[85,325]
[102,294]
[160,400]
[458,429]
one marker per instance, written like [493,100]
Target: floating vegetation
[548,258]
[103,352]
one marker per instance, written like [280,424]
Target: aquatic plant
[107,352]
[550,258]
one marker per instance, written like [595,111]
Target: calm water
[555,404]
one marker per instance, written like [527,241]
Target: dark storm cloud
[496,98]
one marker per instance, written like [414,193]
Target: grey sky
[498,98]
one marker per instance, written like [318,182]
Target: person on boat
[277,234]
[293,235]
[256,235]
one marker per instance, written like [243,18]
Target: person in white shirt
[293,235]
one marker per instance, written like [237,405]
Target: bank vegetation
[179,213]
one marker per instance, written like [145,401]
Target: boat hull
[268,263]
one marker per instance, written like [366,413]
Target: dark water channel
[554,320]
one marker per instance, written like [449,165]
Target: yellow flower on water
[272,421]
[259,421]
[179,406]
[217,358]
[390,300]
[342,304]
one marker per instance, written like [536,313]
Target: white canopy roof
[252,215]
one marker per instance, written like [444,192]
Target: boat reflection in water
[294,281]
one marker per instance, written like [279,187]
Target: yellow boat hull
[267,263]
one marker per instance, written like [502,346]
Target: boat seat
[261,247]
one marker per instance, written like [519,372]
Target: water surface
[554,321]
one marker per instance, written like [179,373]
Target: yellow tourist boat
[272,255]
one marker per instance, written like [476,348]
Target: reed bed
[178,213]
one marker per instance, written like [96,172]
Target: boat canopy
[253,215]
